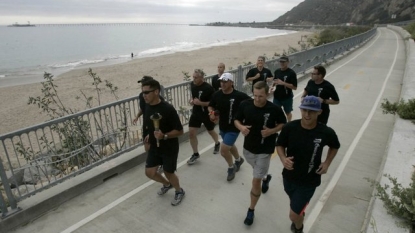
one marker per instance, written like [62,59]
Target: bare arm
[140,112]
[286,161]
[197,101]
[331,153]
[269,131]
[258,75]
[304,94]
[330,101]
[172,134]
[287,85]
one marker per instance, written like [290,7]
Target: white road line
[108,207]
[315,212]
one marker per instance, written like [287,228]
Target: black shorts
[299,195]
[165,156]
[197,120]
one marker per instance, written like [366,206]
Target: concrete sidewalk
[400,156]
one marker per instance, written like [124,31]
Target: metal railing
[44,155]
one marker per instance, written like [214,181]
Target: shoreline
[34,74]
[167,69]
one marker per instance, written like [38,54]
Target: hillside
[329,12]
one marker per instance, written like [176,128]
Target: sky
[142,11]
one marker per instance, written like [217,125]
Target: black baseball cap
[284,58]
[145,79]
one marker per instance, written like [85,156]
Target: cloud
[162,11]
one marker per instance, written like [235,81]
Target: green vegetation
[398,200]
[404,109]
[336,33]
[411,29]
[73,133]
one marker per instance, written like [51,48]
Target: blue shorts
[299,195]
[229,138]
[286,104]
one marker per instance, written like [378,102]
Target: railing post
[9,194]
[240,78]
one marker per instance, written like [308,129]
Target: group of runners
[266,127]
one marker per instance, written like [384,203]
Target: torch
[156,117]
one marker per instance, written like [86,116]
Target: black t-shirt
[216,82]
[288,76]
[324,90]
[306,146]
[257,117]
[204,93]
[142,103]
[264,74]
[227,105]
[170,121]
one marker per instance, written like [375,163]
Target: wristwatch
[166,136]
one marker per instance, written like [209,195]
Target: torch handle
[158,140]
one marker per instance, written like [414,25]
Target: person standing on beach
[300,148]
[215,79]
[259,73]
[201,94]
[259,120]
[226,102]
[324,90]
[285,81]
[163,127]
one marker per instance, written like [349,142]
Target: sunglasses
[314,73]
[148,92]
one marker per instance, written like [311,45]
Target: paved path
[129,203]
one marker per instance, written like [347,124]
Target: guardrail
[44,155]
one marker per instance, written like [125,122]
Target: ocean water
[27,52]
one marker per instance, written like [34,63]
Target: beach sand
[168,69]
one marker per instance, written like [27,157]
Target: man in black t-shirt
[285,81]
[201,94]
[324,90]
[225,102]
[259,73]
[215,79]
[259,120]
[300,148]
[163,140]
[142,105]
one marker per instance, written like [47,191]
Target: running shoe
[249,218]
[193,159]
[231,173]
[216,149]
[295,230]
[265,183]
[239,163]
[178,197]
[164,189]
